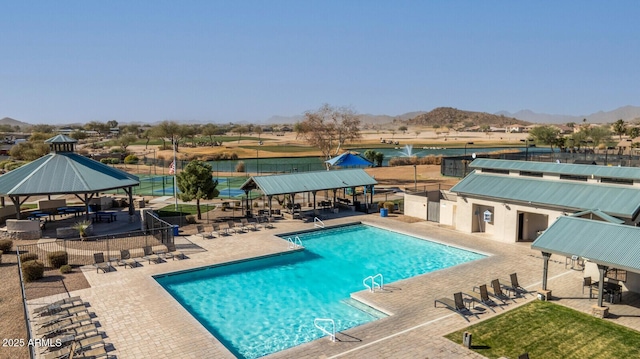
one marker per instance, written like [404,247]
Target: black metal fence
[156,232]
[458,166]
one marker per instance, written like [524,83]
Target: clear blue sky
[232,61]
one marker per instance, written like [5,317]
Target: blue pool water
[261,306]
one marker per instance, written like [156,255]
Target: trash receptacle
[176,230]
[384,212]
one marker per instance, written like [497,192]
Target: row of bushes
[33,269]
[408,161]
[390,206]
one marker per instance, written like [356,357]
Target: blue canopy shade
[348,159]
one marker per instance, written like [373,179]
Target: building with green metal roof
[609,250]
[311,182]
[517,200]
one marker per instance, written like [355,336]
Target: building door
[520,226]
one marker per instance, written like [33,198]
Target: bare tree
[330,127]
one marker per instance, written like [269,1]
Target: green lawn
[547,330]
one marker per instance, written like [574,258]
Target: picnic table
[108,216]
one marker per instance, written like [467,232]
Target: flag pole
[175,171]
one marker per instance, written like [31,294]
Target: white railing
[317,222]
[374,284]
[294,242]
[332,333]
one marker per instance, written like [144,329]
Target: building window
[530,174]
[617,180]
[495,170]
[573,178]
[617,274]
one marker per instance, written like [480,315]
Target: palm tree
[620,128]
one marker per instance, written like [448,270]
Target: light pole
[415,178]
[465,147]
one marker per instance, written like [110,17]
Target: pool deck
[140,319]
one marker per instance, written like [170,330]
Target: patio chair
[215,228]
[482,297]
[150,256]
[456,305]
[498,293]
[126,260]
[254,223]
[173,253]
[100,263]
[516,287]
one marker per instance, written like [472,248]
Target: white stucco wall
[415,206]
[504,225]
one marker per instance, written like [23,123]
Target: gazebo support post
[247,207]
[269,199]
[314,201]
[335,193]
[16,203]
[602,269]
[132,207]
[85,200]
[545,270]
[2,201]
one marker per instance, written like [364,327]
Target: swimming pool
[261,306]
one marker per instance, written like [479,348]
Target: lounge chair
[52,319]
[78,346]
[498,293]
[201,232]
[65,324]
[253,222]
[80,332]
[516,287]
[93,353]
[266,222]
[231,228]
[57,306]
[173,253]
[457,305]
[482,297]
[100,264]
[126,260]
[148,255]
[215,228]
[246,225]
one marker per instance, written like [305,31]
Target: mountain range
[446,116]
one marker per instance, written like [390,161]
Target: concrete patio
[141,319]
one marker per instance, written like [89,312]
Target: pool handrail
[315,222]
[374,284]
[295,242]
[332,333]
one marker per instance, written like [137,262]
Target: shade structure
[348,159]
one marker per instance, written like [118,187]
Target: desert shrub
[114,161]
[240,167]
[131,159]
[65,269]
[390,206]
[191,219]
[32,270]
[25,257]
[6,245]
[12,166]
[116,150]
[380,204]
[58,259]
[105,160]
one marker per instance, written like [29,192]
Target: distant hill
[11,122]
[627,113]
[454,118]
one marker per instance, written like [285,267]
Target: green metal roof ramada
[559,168]
[614,245]
[61,173]
[616,200]
[309,181]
